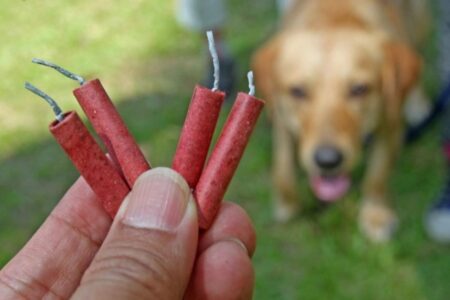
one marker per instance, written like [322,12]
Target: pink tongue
[330,189]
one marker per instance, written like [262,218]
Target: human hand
[151,251]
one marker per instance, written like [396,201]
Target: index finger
[54,260]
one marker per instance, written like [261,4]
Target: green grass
[149,66]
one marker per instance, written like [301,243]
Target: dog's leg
[377,219]
[417,106]
[283,171]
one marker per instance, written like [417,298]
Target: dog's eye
[359,90]
[298,92]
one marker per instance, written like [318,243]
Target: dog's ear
[400,74]
[263,66]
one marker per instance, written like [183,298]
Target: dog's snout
[328,157]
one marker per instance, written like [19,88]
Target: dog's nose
[328,157]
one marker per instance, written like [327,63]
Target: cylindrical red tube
[225,157]
[197,132]
[112,130]
[90,161]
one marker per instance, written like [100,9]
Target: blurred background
[149,66]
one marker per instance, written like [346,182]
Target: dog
[336,72]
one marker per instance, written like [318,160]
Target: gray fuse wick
[251,85]
[215,59]
[56,109]
[61,70]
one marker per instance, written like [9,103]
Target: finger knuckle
[135,267]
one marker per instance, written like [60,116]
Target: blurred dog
[337,72]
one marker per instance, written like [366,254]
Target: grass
[149,65]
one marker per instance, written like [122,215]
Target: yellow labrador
[336,72]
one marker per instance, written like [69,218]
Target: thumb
[150,249]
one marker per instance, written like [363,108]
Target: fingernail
[239,243]
[158,200]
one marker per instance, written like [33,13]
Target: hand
[151,251]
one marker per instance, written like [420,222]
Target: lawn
[149,66]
